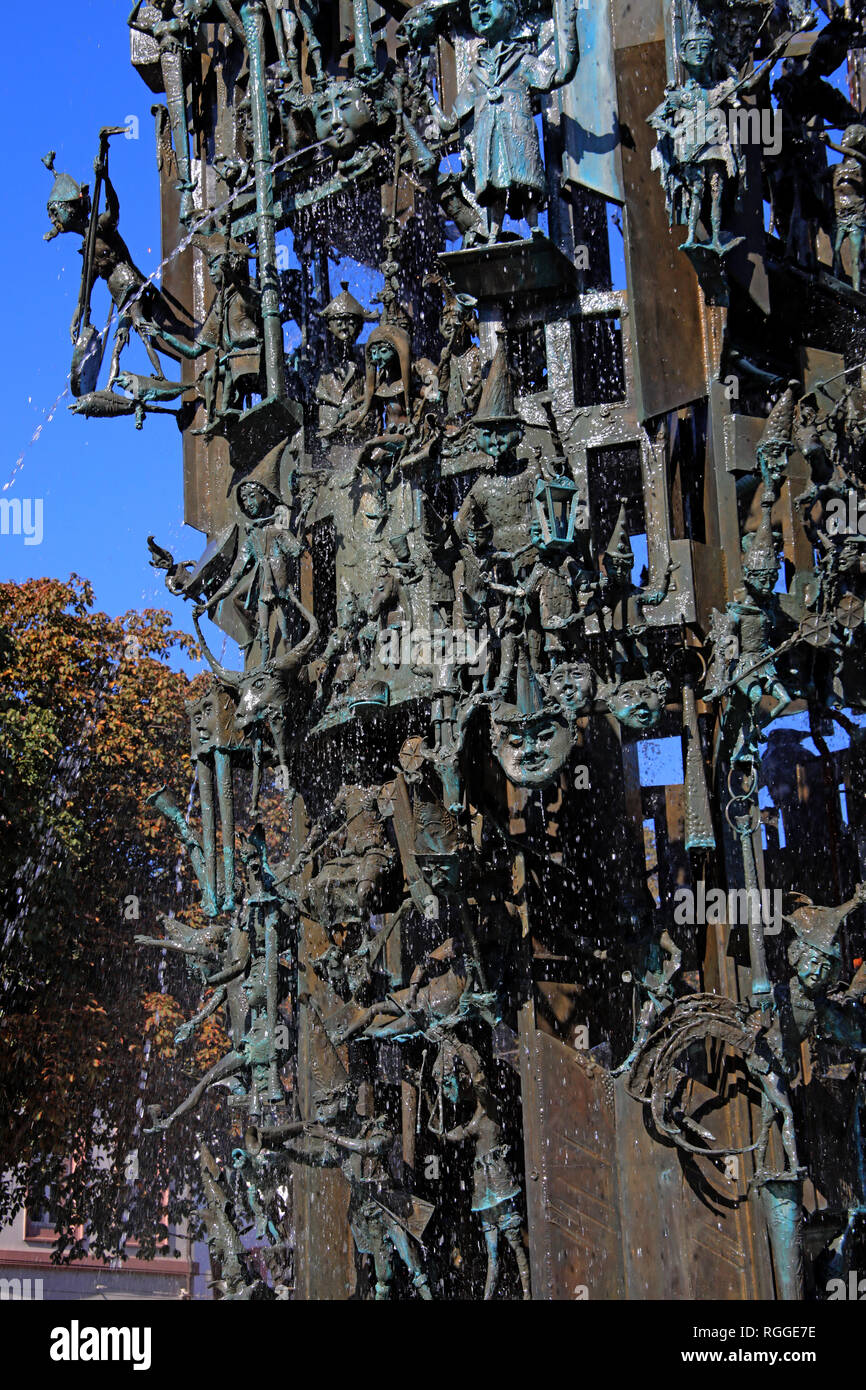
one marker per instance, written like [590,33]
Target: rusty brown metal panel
[572,1202]
[637,21]
[681,1245]
[669,334]
[324,1253]
[710,572]
[612,1213]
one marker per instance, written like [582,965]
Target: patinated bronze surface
[479,1013]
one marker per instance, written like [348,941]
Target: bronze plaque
[669,339]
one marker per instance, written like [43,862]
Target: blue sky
[104,484]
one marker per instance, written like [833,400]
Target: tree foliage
[92,720]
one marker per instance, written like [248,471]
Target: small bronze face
[205,722]
[344,327]
[382,354]
[261,694]
[67,215]
[697,55]
[572,686]
[252,499]
[342,117]
[763,581]
[636,704]
[496,440]
[211,721]
[814,969]
[492,19]
[441,872]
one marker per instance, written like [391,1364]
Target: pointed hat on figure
[818,927]
[619,545]
[759,552]
[65,189]
[496,406]
[779,428]
[346,306]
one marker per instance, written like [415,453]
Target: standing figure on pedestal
[849,200]
[496,1193]
[700,148]
[232,331]
[494,524]
[744,640]
[495,109]
[695,150]
[624,603]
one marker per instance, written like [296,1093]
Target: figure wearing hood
[388,380]
[269,552]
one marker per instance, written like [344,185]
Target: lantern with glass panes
[558,512]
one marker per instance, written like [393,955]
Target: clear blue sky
[104,484]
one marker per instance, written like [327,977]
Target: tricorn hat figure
[619,545]
[496,406]
[346,306]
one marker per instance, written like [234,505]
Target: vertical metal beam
[253,17]
[365,59]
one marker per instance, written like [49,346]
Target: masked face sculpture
[211,721]
[572,686]
[530,749]
[343,118]
[638,704]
